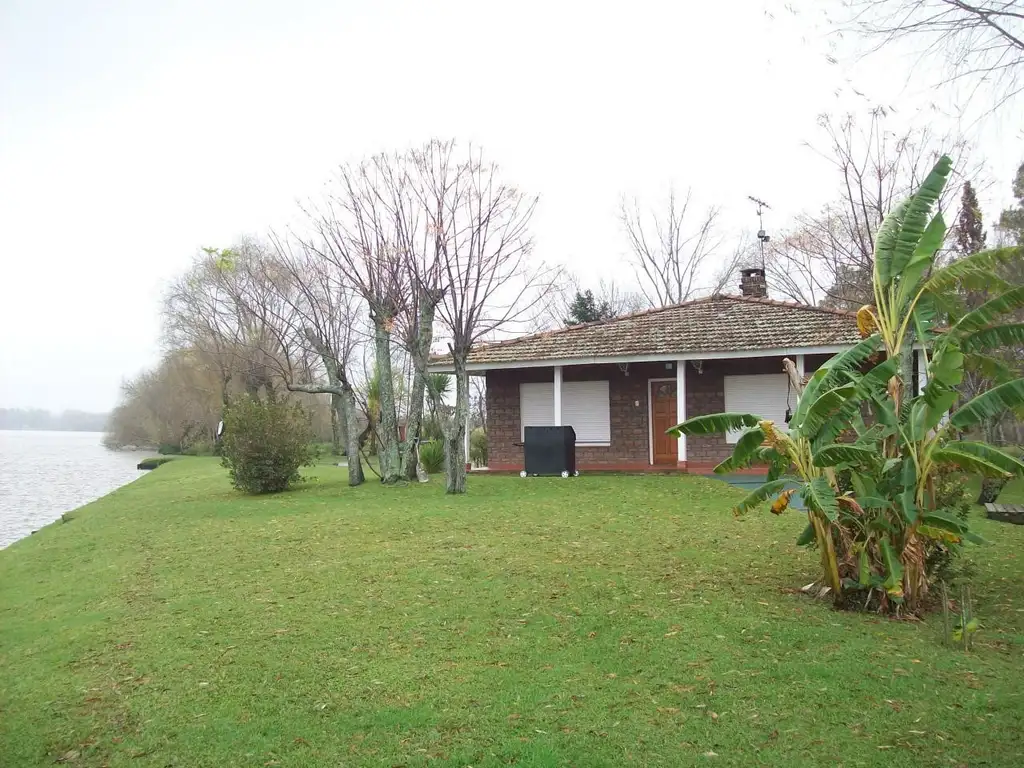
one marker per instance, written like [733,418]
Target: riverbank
[46,473]
[600,621]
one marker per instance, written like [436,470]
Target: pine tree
[970,234]
[586,309]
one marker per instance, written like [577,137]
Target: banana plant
[875,533]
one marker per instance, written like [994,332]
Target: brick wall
[629,449]
[627,411]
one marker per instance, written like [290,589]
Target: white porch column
[800,370]
[465,445]
[922,371]
[558,395]
[681,408]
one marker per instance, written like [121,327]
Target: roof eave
[821,349]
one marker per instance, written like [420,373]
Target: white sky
[132,133]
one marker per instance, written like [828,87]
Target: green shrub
[264,444]
[169,449]
[430,429]
[154,462]
[432,457]
[200,448]
[478,447]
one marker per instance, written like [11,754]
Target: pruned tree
[669,248]
[490,281]
[978,41]
[356,231]
[827,258]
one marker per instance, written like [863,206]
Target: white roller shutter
[762,394]
[536,406]
[585,408]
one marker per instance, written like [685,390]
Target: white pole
[558,395]
[922,371]
[681,409]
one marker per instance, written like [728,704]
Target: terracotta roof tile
[715,324]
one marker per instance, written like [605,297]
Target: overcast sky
[132,133]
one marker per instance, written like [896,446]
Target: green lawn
[601,621]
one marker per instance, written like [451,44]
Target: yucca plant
[874,534]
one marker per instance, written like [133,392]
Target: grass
[602,621]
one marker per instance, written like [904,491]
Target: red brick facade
[628,410]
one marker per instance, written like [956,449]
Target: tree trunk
[336,421]
[388,424]
[420,353]
[455,431]
[350,416]
[991,487]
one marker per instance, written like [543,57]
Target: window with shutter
[762,394]
[536,406]
[585,407]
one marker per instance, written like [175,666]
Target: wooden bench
[1008,513]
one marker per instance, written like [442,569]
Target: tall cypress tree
[970,233]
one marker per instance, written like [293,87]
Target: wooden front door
[663,416]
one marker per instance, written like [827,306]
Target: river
[44,474]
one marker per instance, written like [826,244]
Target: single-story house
[622,383]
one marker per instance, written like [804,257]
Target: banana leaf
[819,496]
[995,402]
[969,462]
[822,409]
[1009,335]
[745,450]
[987,314]
[911,235]
[975,271]
[715,423]
[992,455]
[830,455]
[760,495]
[924,253]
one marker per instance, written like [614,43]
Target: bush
[169,449]
[264,444]
[432,457]
[200,448]
[153,462]
[478,447]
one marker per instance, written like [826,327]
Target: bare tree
[981,41]
[828,257]
[490,282]
[320,319]
[356,231]
[668,249]
[745,253]
[203,309]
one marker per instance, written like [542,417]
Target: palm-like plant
[874,534]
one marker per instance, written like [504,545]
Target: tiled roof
[715,324]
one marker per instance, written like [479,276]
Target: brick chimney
[753,284]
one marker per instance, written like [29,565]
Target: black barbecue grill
[550,451]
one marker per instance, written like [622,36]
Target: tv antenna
[762,236]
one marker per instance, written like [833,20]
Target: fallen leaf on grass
[67,757]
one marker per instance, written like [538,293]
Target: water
[44,474]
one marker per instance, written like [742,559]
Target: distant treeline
[68,421]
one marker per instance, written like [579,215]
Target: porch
[620,411]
